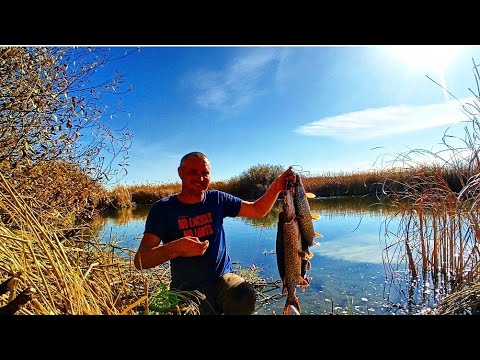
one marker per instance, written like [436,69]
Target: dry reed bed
[69,276]
[463,302]
[437,241]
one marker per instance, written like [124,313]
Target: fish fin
[308,255]
[305,255]
[310,195]
[303,283]
[304,287]
[309,265]
[318,235]
[315,216]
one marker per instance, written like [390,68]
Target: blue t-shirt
[170,220]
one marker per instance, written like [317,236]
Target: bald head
[195,155]
[194,170]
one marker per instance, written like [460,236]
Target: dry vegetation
[76,275]
[53,140]
[57,150]
[68,276]
[436,244]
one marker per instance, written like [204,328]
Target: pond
[347,276]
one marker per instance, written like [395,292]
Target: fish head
[298,186]
[288,206]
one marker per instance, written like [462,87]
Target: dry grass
[437,242]
[78,275]
[124,196]
[463,302]
[120,197]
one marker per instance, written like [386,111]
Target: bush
[254,182]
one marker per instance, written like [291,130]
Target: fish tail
[291,302]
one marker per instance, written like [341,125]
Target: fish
[304,215]
[286,215]
[305,265]
[289,253]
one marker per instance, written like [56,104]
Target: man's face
[195,175]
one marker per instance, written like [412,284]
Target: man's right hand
[151,252]
[191,246]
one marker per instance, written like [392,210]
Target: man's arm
[151,253]
[262,206]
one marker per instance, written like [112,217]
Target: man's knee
[237,296]
[243,300]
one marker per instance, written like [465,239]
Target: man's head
[194,170]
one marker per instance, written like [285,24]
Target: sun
[426,57]
[433,59]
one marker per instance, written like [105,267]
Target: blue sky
[326,109]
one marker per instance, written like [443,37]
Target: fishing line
[256,246]
[294,167]
[299,169]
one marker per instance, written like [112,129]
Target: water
[347,273]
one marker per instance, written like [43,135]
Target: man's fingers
[204,246]
[192,238]
[290,174]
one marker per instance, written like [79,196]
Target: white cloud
[381,122]
[238,83]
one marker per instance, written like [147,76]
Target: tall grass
[436,246]
[120,197]
[75,275]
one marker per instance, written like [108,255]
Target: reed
[120,197]
[75,275]
[436,244]
[253,183]
[144,194]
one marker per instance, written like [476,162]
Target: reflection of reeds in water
[351,205]
[336,205]
[269,220]
[123,216]
[347,205]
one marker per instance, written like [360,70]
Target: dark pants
[231,295]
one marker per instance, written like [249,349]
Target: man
[187,230]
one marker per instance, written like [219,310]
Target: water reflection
[351,205]
[335,206]
[125,215]
[339,224]
[122,226]
[347,269]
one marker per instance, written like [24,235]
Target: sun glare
[432,57]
